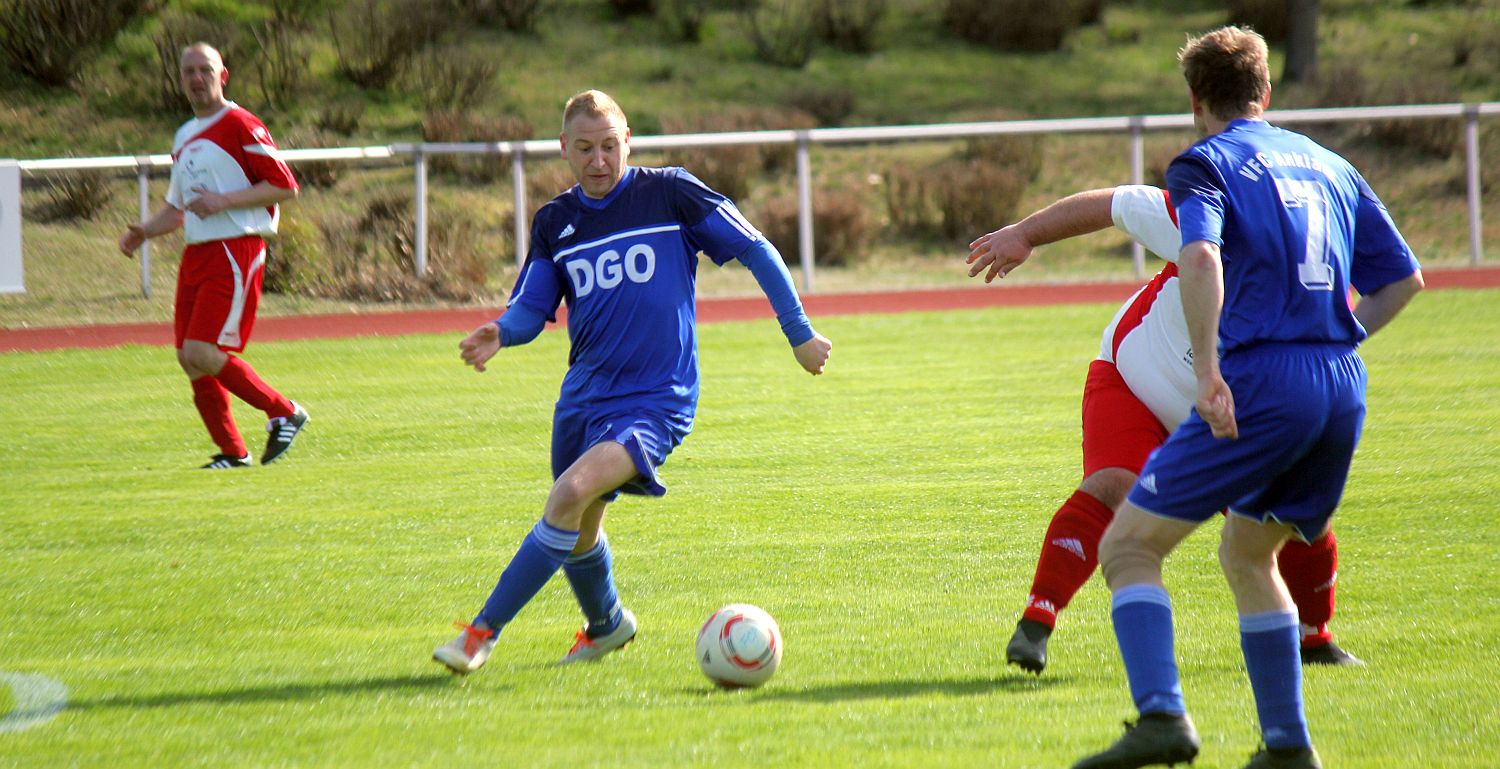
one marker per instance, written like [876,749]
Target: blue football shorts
[649,435]
[1300,409]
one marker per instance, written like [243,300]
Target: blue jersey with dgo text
[1296,225]
[626,265]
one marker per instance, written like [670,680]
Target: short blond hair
[208,50]
[593,103]
[1229,71]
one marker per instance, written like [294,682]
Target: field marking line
[38,700]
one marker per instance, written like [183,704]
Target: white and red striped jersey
[228,151]
[1148,338]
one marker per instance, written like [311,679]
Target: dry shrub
[958,198]
[829,105]
[780,30]
[340,117]
[849,25]
[1021,153]
[297,259]
[453,80]
[280,51]
[1271,18]
[633,7]
[911,201]
[512,15]
[976,197]
[732,170]
[841,227]
[374,256]
[322,174]
[52,41]
[462,127]
[683,20]
[545,181]
[1015,25]
[75,195]
[376,39]
[1438,137]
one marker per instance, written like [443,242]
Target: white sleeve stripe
[734,217]
[263,149]
[521,289]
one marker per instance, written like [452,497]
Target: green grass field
[887,514]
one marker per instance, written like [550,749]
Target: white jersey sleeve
[1144,214]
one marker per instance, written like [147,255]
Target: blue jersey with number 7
[1303,226]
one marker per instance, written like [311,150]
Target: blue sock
[1143,626]
[1269,641]
[592,577]
[540,555]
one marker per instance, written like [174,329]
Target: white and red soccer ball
[739,646]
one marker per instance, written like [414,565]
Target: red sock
[1309,571]
[213,405]
[238,378]
[1070,553]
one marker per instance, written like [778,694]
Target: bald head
[203,77]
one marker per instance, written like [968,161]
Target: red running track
[710,310]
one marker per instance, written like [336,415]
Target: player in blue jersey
[621,248]
[1275,229]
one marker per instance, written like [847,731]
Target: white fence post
[1137,176]
[11,272]
[518,181]
[1471,161]
[143,184]
[804,210]
[420,238]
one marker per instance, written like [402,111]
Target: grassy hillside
[1372,52]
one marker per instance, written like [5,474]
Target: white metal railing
[803,140]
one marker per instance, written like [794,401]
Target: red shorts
[218,289]
[1118,430]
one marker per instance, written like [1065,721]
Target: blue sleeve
[765,263]
[714,225]
[1381,255]
[539,287]
[519,324]
[1195,190]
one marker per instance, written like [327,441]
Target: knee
[569,497]
[1123,559]
[1242,565]
[1109,485]
[200,359]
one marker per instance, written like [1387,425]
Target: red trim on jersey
[1166,197]
[1139,307]
[235,131]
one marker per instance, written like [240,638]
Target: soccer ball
[739,646]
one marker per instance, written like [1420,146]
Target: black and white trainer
[226,462]
[281,431]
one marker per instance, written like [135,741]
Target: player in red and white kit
[227,181]
[1138,390]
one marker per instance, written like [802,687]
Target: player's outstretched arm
[1007,248]
[480,345]
[813,354]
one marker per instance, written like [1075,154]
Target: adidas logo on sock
[1071,545]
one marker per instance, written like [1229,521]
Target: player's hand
[813,354]
[1216,406]
[1000,251]
[480,345]
[207,203]
[134,236]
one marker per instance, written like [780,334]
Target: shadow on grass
[885,690]
[270,692]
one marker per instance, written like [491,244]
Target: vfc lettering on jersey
[611,269]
